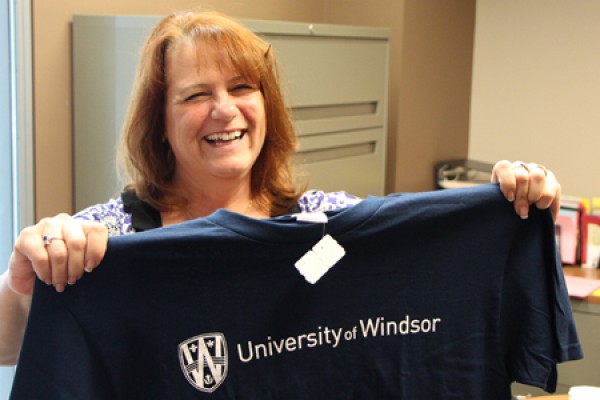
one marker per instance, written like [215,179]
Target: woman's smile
[225,138]
[215,117]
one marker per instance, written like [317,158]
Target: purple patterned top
[118,222]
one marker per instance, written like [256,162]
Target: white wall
[536,87]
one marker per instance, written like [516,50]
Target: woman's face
[215,119]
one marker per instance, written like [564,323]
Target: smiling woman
[207,129]
[215,125]
[216,81]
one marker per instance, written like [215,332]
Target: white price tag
[317,261]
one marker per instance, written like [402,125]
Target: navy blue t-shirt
[440,295]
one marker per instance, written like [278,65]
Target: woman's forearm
[14,310]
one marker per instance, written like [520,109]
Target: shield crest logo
[203,360]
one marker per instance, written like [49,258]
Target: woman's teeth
[224,136]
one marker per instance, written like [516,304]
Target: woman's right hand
[74,246]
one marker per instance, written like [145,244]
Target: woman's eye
[242,88]
[197,96]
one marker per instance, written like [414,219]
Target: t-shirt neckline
[288,229]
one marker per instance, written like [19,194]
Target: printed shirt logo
[203,360]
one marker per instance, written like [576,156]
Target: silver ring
[48,239]
[540,166]
[524,166]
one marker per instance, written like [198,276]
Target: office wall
[536,87]
[430,81]
[429,78]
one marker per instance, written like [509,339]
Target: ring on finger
[49,238]
[524,166]
[540,166]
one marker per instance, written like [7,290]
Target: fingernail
[59,287]
[524,212]
[88,269]
[510,196]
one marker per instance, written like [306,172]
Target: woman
[207,128]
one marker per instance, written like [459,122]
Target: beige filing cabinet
[335,79]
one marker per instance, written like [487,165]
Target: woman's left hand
[527,183]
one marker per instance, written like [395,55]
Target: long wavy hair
[144,154]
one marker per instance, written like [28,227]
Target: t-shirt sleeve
[57,363]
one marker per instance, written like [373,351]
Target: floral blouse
[127,214]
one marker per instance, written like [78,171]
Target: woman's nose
[224,110]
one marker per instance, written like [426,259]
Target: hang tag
[315,217]
[317,261]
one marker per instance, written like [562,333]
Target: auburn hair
[145,155]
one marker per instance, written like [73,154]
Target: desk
[591,273]
[551,397]
[576,270]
